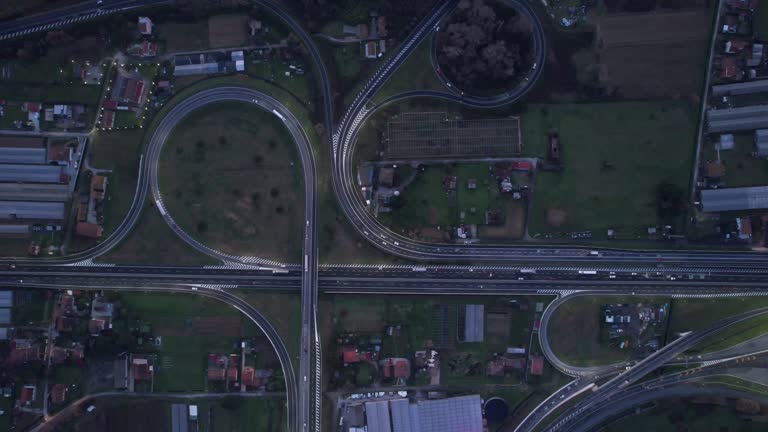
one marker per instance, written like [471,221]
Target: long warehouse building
[736,119]
[48,192]
[733,199]
[740,88]
[32,174]
[13,210]
[22,155]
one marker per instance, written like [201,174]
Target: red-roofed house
[90,230]
[27,395]
[735,46]
[140,369]
[537,365]
[398,367]
[728,68]
[33,107]
[109,104]
[137,91]
[65,324]
[58,393]
[216,374]
[109,119]
[350,354]
[248,375]
[95,326]
[232,373]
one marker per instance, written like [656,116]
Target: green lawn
[426,202]
[676,415]
[644,144]
[575,331]
[74,93]
[247,414]
[12,112]
[699,314]
[153,242]
[117,151]
[760,21]
[416,73]
[370,315]
[283,311]
[185,344]
[741,168]
[227,178]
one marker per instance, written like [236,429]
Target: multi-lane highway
[70,15]
[666,272]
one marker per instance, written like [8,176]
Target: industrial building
[732,199]
[457,414]
[48,192]
[740,88]
[736,119]
[33,174]
[22,155]
[761,143]
[13,210]
[209,63]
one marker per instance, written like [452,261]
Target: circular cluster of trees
[484,47]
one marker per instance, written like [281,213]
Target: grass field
[190,328]
[416,73]
[427,202]
[741,168]
[575,330]
[231,177]
[677,415]
[117,151]
[284,313]
[760,21]
[369,315]
[644,144]
[152,242]
[185,36]
[575,336]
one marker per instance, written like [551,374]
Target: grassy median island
[231,177]
[615,156]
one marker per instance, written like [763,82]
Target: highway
[607,391]
[70,15]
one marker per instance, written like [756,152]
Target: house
[248,376]
[95,326]
[23,351]
[714,170]
[553,149]
[90,230]
[27,395]
[744,226]
[537,365]
[141,370]
[729,69]
[386,176]
[726,142]
[108,121]
[216,374]
[145,25]
[735,46]
[371,50]
[232,373]
[381,26]
[398,368]
[349,354]
[143,49]
[58,393]
[503,365]
[31,107]
[65,324]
